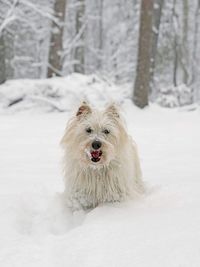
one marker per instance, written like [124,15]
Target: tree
[100,26]
[142,81]
[56,42]
[157,11]
[175,42]
[2,60]
[7,16]
[195,42]
[79,53]
[185,41]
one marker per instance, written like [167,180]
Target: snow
[160,229]
[175,96]
[59,93]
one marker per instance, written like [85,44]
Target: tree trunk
[157,11]
[185,41]
[2,60]
[99,61]
[56,42]
[194,52]
[175,69]
[79,53]
[175,43]
[142,82]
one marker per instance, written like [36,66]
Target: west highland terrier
[101,162]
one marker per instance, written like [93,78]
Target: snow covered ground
[59,94]
[161,229]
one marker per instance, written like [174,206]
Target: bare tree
[2,60]
[175,42]
[180,42]
[195,44]
[56,42]
[79,53]
[157,11]
[142,81]
[185,40]
[100,7]
[7,17]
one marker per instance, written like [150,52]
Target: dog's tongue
[96,154]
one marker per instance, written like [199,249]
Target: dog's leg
[137,167]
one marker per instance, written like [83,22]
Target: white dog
[101,162]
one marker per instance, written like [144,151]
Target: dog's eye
[88,130]
[106,131]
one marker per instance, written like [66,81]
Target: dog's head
[94,137]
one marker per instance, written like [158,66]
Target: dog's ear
[113,110]
[83,110]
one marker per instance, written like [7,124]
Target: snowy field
[160,229]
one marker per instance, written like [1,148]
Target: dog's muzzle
[96,155]
[96,144]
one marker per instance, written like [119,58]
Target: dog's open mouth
[96,155]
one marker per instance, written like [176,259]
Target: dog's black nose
[96,144]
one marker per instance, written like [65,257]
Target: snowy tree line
[44,38]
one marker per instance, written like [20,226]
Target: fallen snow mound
[175,96]
[58,94]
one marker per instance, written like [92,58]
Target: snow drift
[36,229]
[58,94]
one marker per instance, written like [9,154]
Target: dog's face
[94,138]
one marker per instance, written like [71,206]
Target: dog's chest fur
[91,186]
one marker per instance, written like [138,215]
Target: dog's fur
[116,176]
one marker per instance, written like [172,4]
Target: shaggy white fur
[95,175]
